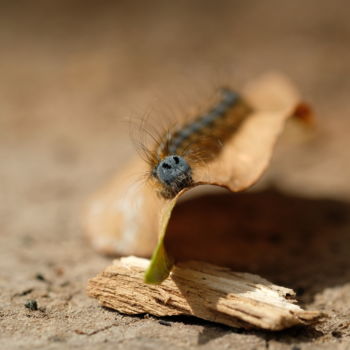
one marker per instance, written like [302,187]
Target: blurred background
[71,72]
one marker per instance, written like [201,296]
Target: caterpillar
[197,142]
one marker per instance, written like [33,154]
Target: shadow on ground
[298,242]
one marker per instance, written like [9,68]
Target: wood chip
[200,289]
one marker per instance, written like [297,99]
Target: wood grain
[200,289]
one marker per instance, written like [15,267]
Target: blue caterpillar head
[174,173]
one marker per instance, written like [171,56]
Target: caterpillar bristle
[173,152]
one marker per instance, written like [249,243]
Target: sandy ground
[69,75]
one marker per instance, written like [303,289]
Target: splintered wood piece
[200,289]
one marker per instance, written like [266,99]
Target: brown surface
[69,74]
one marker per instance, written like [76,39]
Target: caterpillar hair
[177,152]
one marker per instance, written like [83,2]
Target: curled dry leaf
[128,217]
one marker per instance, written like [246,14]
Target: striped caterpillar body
[196,143]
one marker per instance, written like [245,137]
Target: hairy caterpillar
[172,159]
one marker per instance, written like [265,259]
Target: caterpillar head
[174,174]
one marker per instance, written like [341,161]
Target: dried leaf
[127,216]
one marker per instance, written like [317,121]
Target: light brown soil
[70,74]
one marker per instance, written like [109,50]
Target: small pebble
[40,277]
[31,305]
